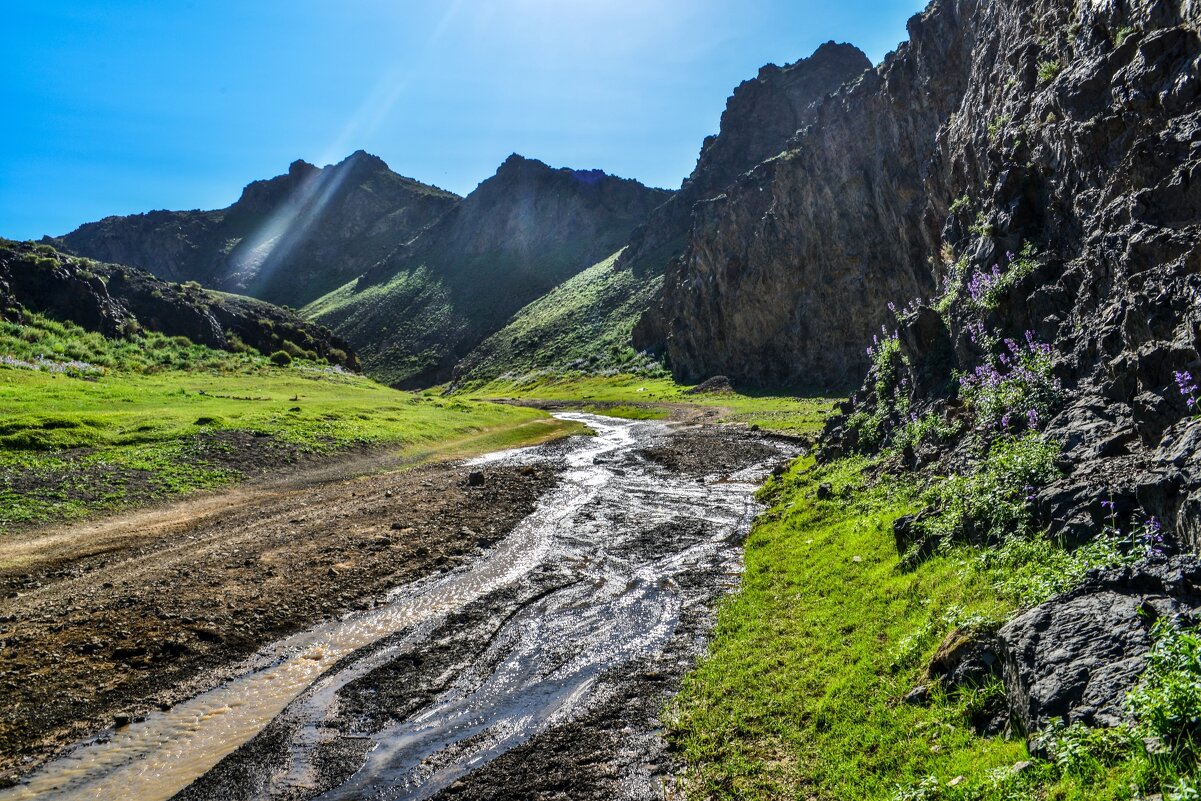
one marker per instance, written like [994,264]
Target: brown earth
[100,622]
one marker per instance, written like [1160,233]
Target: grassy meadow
[88,423]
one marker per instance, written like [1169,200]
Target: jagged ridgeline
[518,235]
[287,240]
[118,301]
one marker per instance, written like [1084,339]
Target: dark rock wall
[760,117]
[787,274]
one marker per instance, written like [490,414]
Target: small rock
[387,493]
[120,720]
[397,526]
[958,780]
[856,558]
[918,696]
[475,479]
[825,490]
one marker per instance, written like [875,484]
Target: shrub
[1047,70]
[181,342]
[995,499]
[987,289]
[281,358]
[1167,699]
[1015,388]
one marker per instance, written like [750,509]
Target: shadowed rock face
[519,234]
[288,239]
[760,117]
[787,274]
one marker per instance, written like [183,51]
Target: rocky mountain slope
[519,234]
[600,320]
[115,300]
[1036,162]
[288,239]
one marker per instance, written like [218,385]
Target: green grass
[157,421]
[773,412]
[801,694]
[582,324]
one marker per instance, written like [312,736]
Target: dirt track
[117,618]
[104,621]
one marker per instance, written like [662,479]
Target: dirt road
[519,624]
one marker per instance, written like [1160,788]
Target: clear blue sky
[121,106]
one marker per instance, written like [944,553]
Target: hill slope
[288,239]
[582,324]
[114,301]
[518,235]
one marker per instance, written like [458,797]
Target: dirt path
[516,636]
[104,621]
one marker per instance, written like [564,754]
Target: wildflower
[1032,418]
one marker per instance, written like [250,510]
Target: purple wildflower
[1032,418]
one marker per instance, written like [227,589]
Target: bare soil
[102,621]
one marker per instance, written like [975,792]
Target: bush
[181,342]
[280,358]
[1167,700]
[1015,388]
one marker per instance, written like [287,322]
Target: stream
[595,579]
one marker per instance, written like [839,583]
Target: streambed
[543,662]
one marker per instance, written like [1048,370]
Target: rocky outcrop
[788,273]
[288,239]
[116,301]
[1055,205]
[759,119]
[1075,658]
[522,232]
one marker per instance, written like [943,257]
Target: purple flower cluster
[981,283]
[42,363]
[1017,383]
[1188,388]
[1152,536]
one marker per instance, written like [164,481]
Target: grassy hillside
[521,233]
[582,324]
[89,423]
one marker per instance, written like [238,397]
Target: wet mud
[538,667]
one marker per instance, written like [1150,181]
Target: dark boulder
[1076,656]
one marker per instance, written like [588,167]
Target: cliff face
[759,119]
[1053,199]
[115,300]
[520,233]
[288,239]
[787,273]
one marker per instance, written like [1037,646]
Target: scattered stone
[918,696]
[475,479]
[824,491]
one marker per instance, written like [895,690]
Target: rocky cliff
[519,234]
[115,300]
[759,119]
[288,239]
[1019,180]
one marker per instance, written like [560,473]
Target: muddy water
[622,604]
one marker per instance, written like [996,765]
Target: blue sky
[124,106]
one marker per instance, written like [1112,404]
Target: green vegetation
[90,423]
[1047,70]
[403,322]
[801,695]
[583,324]
[796,415]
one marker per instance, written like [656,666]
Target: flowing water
[538,670]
